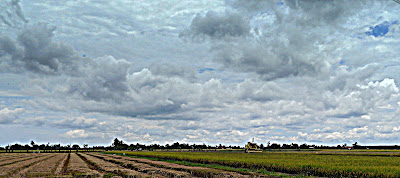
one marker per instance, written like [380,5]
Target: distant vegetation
[118,144]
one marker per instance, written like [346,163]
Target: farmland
[328,163]
[320,163]
[94,164]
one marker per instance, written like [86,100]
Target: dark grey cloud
[290,38]
[7,46]
[253,6]
[41,54]
[36,51]
[217,25]
[270,62]
[326,12]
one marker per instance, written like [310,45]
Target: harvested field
[98,165]
[78,167]
[4,157]
[194,171]
[45,168]
[109,167]
[14,168]
[16,159]
[141,167]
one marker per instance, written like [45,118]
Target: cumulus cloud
[84,135]
[80,133]
[290,38]
[35,50]
[102,84]
[77,123]
[9,116]
[103,78]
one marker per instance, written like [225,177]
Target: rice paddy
[318,163]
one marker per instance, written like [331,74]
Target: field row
[97,165]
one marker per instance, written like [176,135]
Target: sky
[204,71]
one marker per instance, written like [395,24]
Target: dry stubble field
[91,164]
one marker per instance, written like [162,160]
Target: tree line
[118,144]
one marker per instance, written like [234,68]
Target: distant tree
[275,146]
[75,146]
[295,146]
[175,145]
[116,142]
[261,146]
[285,146]
[304,146]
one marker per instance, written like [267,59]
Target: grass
[349,164]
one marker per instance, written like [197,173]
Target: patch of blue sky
[16,97]
[280,3]
[13,101]
[6,85]
[381,29]
[342,62]
[206,69]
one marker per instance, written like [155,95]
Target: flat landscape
[98,165]
[319,163]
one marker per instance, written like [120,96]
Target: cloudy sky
[204,71]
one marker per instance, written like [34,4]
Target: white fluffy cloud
[8,116]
